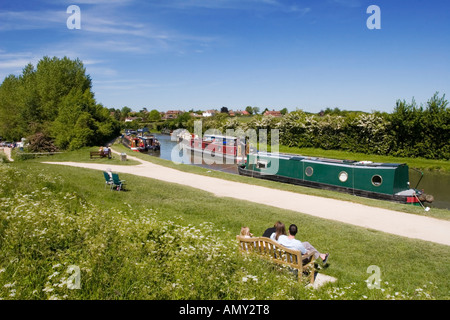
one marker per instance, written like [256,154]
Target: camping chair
[108,180]
[117,182]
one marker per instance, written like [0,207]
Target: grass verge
[80,155]
[164,241]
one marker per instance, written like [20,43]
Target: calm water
[436,184]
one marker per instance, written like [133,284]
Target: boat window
[309,171]
[261,165]
[343,176]
[377,180]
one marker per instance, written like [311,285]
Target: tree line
[54,107]
[411,130]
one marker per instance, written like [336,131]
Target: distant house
[242,113]
[171,114]
[273,113]
[195,115]
[231,113]
[209,113]
[129,119]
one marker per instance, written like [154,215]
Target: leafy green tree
[55,78]
[12,125]
[154,115]
[75,105]
[54,102]
[125,112]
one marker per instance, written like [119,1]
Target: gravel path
[393,222]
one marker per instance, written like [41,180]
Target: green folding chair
[117,183]
[108,180]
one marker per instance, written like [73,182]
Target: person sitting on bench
[290,242]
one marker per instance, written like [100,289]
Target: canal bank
[398,223]
[434,183]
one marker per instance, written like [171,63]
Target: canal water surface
[436,184]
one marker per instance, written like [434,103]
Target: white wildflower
[47,289]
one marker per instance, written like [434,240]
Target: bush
[39,142]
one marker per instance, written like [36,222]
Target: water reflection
[436,184]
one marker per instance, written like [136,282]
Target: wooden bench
[97,154]
[273,251]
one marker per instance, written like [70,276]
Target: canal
[434,183]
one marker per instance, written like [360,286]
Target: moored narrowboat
[148,143]
[141,143]
[384,181]
[214,145]
[131,142]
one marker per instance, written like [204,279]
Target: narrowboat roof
[329,161]
[219,136]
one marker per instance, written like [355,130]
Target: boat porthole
[309,171]
[377,180]
[343,176]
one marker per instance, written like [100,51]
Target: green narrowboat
[384,181]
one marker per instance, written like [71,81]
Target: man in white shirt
[291,243]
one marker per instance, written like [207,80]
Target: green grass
[80,155]
[164,241]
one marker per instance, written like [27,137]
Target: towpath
[393,222]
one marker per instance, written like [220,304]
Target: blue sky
[204,54]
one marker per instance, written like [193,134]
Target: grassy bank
[80,155]
[165,241]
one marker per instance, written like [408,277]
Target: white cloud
[30,20]
[14,64]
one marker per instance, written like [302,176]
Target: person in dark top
[269,231]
